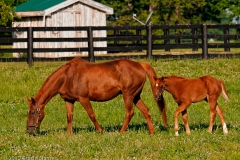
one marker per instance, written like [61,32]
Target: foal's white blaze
[156,85]
[225,130]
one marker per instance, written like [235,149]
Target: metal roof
[37,5]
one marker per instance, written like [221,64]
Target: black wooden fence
[129,38]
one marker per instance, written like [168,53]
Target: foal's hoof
[225,131]
[176,134]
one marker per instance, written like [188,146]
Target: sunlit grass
[18,82]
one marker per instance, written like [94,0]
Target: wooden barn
[61,13]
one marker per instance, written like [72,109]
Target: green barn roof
[37,5]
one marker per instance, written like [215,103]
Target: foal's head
[35,116]
[159,84]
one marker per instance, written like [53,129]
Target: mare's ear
[29,100]
[33,100]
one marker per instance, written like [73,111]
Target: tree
[214,10]
[172,11]
[123,11]
[7,11]
[234,11]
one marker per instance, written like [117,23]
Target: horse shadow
[135,127]
[116,128]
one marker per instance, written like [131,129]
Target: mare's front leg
[143,108]
[85,102]
[181,109]
[69,108]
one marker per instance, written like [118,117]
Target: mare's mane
[77,61]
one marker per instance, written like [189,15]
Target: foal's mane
[175,77]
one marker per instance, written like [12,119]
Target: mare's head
[159,84]
[35,116]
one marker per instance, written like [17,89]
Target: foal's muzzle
[158,97]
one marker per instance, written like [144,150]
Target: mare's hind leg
[85,102]
[69,108]
[128,102]
[221,115]
[143,108]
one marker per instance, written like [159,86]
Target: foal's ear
[162,78]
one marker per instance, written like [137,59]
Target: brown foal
[187,91]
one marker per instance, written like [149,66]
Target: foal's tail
[224,92]
[160,101]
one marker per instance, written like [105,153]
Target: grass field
[18,82]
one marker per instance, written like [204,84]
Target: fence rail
[127,38]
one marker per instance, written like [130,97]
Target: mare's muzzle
[32,130]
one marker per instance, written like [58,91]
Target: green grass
[18,82]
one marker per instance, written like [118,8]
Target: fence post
[139,42]
[194,40]
[226,40]
[204,42]
[30,47]
[116,33]
[166,41]
[149,41]
[90,45]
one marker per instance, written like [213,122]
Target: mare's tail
[160,101]
[224,92]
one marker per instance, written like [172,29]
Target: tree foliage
[171,11]
[164,11]
[7,11]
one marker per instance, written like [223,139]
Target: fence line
[127,38]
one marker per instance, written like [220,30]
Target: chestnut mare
[186,91]
[83,81]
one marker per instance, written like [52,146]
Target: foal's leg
[180,109]
[213,112]
[69,108]
[128,102]
[85,102]
[143,108]
[221,115]
[185,120]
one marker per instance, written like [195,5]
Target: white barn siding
[76,14]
